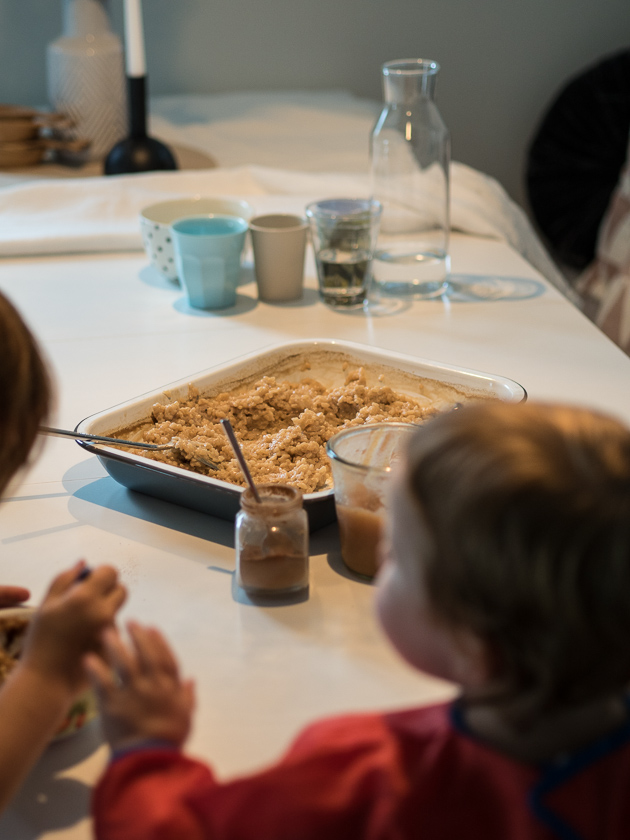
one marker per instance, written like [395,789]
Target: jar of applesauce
[272,541]
[361,459]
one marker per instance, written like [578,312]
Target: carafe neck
[409,80]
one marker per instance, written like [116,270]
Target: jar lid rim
[272,496]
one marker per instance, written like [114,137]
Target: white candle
[134,39]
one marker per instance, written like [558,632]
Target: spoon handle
[229,431]
[47,430]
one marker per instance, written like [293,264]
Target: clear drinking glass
[361,459]
[344,232]
[410,159]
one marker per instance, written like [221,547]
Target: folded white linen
[309,131]
[101,214]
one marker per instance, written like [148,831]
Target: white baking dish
[404,373]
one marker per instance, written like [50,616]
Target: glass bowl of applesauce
[361,459]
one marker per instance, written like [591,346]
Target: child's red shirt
[413,774]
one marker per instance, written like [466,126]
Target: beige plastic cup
[279,244]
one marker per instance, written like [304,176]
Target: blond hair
[26,391]
[528,507]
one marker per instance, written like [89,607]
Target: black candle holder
[138,152]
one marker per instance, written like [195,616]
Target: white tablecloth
[113,329]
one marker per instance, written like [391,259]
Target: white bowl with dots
[156,219]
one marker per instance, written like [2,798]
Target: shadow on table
[150,276]
[244,303]
[248,278]
[336,563]
[377,306]
[108,494]
[463,288]
[468,288]
[309,298]
[271,600]
[47,801]
[326,541]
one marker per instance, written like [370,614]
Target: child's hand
[12,596]
[69,623]
[141,693]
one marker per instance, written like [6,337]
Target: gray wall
[502,60]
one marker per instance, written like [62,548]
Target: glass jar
[410,160]
[361,459]
[272,541]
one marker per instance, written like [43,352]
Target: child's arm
[37,694]
[140,690]
[335,782]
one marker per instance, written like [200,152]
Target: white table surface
[114,329]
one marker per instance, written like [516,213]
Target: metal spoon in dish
[238,452]
[47,430]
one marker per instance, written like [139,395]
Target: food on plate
[13,627]
[12,633]
[283,425]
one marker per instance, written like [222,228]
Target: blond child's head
[25,388]
[511,523]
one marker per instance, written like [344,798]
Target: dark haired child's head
[26,391]
[507,556]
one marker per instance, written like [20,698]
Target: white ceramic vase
[86,76]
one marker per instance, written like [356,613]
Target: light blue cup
[208,258]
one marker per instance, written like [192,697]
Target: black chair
[576,156]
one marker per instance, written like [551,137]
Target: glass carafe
[410,159]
